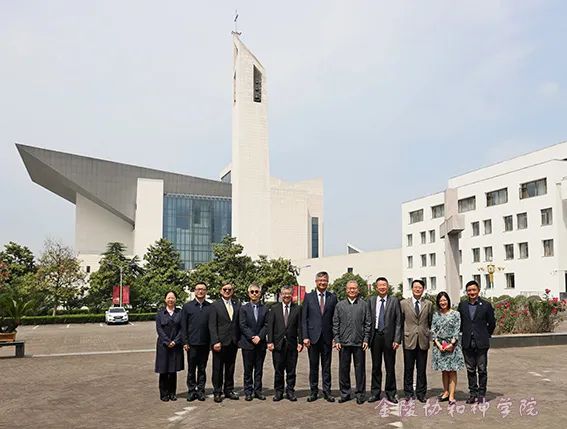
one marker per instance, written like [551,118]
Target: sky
[383,100]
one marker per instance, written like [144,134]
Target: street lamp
[120,290]
[297,271]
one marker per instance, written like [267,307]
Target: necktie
[321,303]
[285,315]
[417,308]
[381,316]
[255,312]
[229,309]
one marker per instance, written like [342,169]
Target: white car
[116,315]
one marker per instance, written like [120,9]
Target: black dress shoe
[442,398]
[313,397]
[191,397]
[360,400]
[165,398]
[217,398]
[409,397]
[481,400]
[201,396]
[259,396]
[328,397]
[391,399]
[374,398]
[277,397]
[173,397]
[291,397]
[343,399]
[471,400]
[422,399]
[248,398]
[231,395]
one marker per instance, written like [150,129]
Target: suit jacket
[481,326]
[392,319]
[416,329]
[195,323]
[314,325]
[278,332]
[250,327]
[221,328]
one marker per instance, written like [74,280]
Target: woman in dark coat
[169,347]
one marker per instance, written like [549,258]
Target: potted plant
[11,311]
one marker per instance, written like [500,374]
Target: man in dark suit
[253,324]
[317,330]
[224,332]
[385,339]
[285,342]
[196,341]
[417,314]
[477,326]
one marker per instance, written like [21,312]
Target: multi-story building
[515,236]
[137,205]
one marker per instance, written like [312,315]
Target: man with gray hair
[285,342]
[351,330]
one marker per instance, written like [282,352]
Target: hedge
[81,318]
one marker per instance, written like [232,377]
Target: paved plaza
[93,375]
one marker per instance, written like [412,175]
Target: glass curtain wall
[193,223]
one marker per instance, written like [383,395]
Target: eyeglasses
[254,292]
[227,289]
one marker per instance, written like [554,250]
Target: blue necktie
[381,317]
[417,308]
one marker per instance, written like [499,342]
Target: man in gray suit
[417,314]
[351,331]
[385,339]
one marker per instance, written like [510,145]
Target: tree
[339,285]
[60,275]
[18,260]
[108,275]
[162,272]
[272,274]
[228,265]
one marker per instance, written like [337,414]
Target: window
[88,269]
[510,281]
[533,189]
[410,261]
[487,226]
[547,247]
[476,278]
[508,223]
[314,237]
[410,240]
[432,236]
[349,270]
[546,217]
[476,254]
[416,216]
[475,228]
[460,256]
[432,260]
[495,198]
[433,283]
[509,251]
[461,281]
[423,237]
[467,204]
[438,211]
[523,250]
[424,260]
[522,220]
[487,281]
[257,85]
[488,254]
[410,281]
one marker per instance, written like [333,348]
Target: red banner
[125,295]
[298,291]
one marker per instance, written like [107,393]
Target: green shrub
[81,318]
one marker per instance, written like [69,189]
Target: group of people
[383,324]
